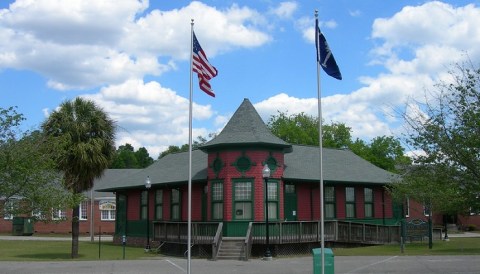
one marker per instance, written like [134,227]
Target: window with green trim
[368,194]
[159,204]
[272,200]
[243,200]
[329,199]
[175,205]
[143,205]
[350,202]
[217,200]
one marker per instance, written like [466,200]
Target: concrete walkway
[463,235]
[104,238]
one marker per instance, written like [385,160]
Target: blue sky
[132,58]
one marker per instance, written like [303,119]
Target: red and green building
[228,193]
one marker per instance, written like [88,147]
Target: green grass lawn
[60,250]
[27,250]
[456,246]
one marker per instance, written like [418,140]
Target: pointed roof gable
[246,128]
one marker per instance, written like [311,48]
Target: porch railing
[280,232]
[216,241]
[335,231]
[247,247]
[177,232]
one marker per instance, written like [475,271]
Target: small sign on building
[107,205]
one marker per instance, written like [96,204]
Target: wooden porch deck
[281,232]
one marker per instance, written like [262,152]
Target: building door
[121,222]
[290,204]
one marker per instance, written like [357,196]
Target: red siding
[340,199]
[388,204]
[360,202]
[133,203]
[378,202]
[229,173]
[303,203]
[315,203]
[197,202]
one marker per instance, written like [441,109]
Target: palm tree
[85,135]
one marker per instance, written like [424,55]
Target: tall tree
[85,135]
[143,157]
[126,157]
[175,149]
[446,130]
[28,181]
[385,151]
[295,129]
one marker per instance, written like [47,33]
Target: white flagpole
[320,138]
[189,249]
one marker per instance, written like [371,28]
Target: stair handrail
[247,247]
[216,241]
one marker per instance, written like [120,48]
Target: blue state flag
[324,55]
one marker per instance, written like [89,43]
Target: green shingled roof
[341,166]
[246,128]
[338,166]
[109,178]
[171,169]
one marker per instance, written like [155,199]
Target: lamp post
[148,185]
[266,174]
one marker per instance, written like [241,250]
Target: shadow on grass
[48,256]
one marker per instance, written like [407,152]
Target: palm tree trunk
[75,231]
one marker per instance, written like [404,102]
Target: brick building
[98,216]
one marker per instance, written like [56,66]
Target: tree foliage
[195,144]
[126,157]
[84,136]
[383,151]
[28,181]
[446,129]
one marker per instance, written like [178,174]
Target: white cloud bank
[80,44]
[416,46]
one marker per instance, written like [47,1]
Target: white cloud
[285,10]
[355,13]
[81,44]
[149,114]
[429,26]
[306,25]
[434,35]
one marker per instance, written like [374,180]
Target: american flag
[202,67]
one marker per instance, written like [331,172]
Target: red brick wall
[469,220]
